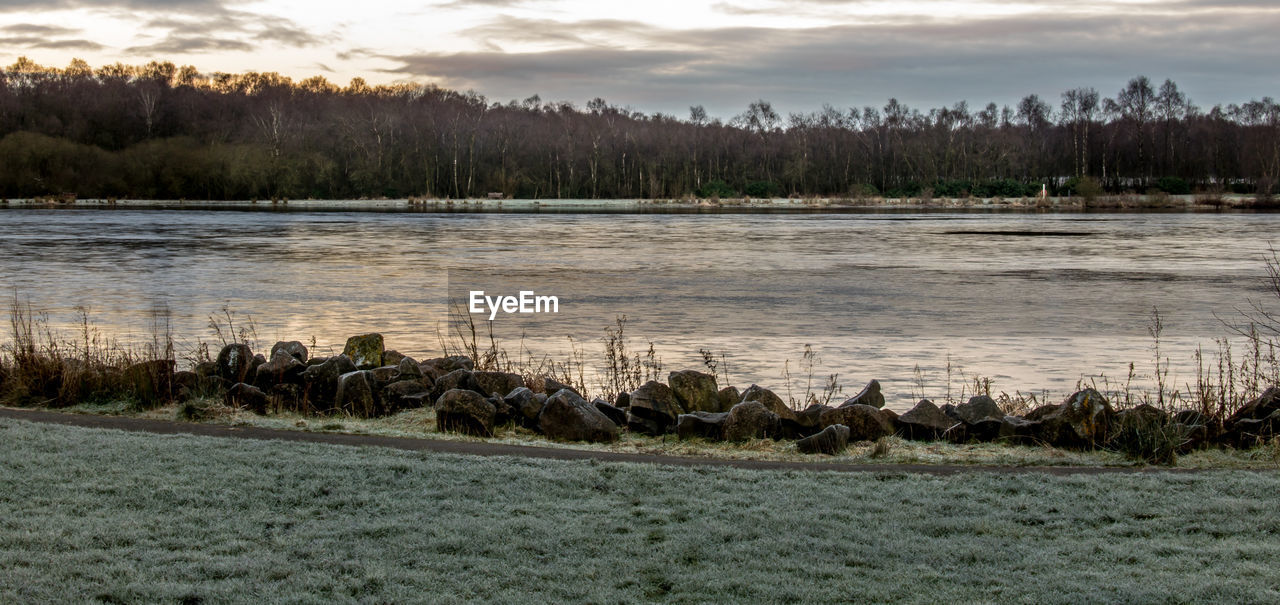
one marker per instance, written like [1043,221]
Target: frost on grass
[103,515]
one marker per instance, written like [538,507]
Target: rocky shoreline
[367,380]
[1130,202]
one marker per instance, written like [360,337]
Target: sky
[666,55]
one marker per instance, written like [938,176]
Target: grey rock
[770,400]
[246,397]
[694,391]
[617,415]
[870,395]
[978,409]
[403,395]
[234,362]
[863,422]
[496,383]
[655,405]
[525,406]
[831,441]
[365,350]
[465,411]
[282,368]
[320,382]
[750,420]
[925,422]
[707,425]
[728,397]
[355,394]
[567,416]
[294,348]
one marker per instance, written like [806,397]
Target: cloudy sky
[665,55]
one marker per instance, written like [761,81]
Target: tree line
[170,132]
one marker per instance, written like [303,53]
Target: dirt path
[481,448]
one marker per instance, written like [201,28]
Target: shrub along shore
[369,381]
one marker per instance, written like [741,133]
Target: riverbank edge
[1129,202]
[549,450]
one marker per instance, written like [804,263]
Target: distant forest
[169,132]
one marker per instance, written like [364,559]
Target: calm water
[875,295]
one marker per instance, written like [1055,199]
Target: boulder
[502,413]
[1252,432]
[457,379]
[617,415]
[771,401]
[622,401]
[246,397]
[525,406]
[1191,418]
[439,366]
[707,425]
[365,350]
[392,357]
[409,369]
[654,407]
[1043,412]
[863,422]
[464,411]
[385,375]
[982,419]
[750,420]
[282,368]
[234,362]
[925,422]
[1018,430]
[403,395]
[978,409]
[551,386]
[355,395]
[728,397]
[646,425]
[320,382]
[695,391]
[889,416]
[870,395]
[294,348]
[496,383]
[258,360]
[1080,421]
[1262,407]
[286,397]
[567,416]
[831,441]
[186,384]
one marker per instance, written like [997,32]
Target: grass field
[96,515]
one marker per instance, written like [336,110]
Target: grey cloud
[475,3]
[69,44]
[225,30]
[287,34]
[40,42]
[596,32]
[190,44]
[39,30]
[144,5]
[1215,58]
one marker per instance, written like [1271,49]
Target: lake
[1034,301]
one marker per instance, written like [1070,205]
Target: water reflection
[875,294]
